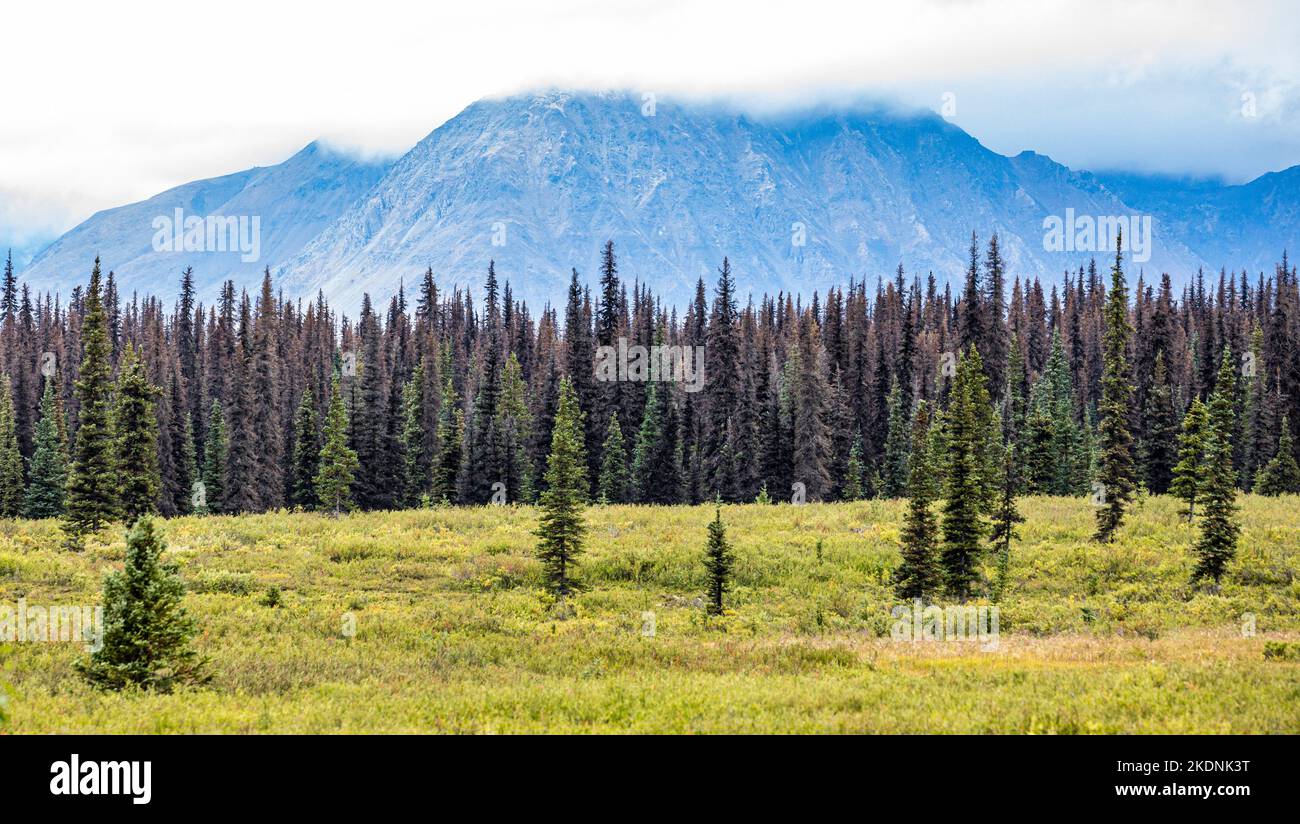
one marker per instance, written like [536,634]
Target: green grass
[455,634]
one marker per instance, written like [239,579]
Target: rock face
[798,202]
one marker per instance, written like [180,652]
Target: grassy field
[454,634]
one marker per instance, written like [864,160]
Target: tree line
[112,407]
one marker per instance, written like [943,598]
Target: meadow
[435,620]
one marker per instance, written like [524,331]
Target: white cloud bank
[104,105]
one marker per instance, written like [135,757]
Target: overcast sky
[104,106]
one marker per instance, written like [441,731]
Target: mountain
[797,201]
[287,204]
[539,182]
[1244,226]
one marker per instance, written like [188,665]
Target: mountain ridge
[797,200]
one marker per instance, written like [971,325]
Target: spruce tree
[656,468]
[1006,516]
[514,423]
[189,467]
[1051,440]
[451,434]
[613,483]
[1220,528]
[415,475]
[147,632]
[810,432]
[338,463]
[561,528]
[1116,474]
[1255,416]
[306,453]
[214,462]
[1160,446]
[11,458]
[1281,475]
[852,488]
[718,563]
[1186,482]
[895,473]
[92,480]
[135,423]
[920,575]
[965,489]
[721,391]
[48,471]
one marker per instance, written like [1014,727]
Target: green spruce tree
[613,483]
[561,529]
[1160,446]
[1115,474]
[49,466]
[854,469]
[1220,528]
[213,476]
[894,473]
[920,574]
[11,459]
[306,454]
[451,437]
[415,465]
[656,475]
[189,468]
[92,479]
[1005,517]
[147,632]
[338,462]
[1186,481]
[135,425]
[719,561]
[965,490]
[1281,475]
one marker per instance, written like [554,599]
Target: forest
[437,398]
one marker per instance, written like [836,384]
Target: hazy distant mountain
[292,201]
[797,202]
[1237,227]
[540,182]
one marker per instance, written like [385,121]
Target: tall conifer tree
[613,486]
[1116,474]
[11,458]
[306,453]
[136,434]
[214,462]
[92,480]
[920,574]
[965,490]
[1220,528]
[560,530]
[338,463]
[49,466]
[1186,480]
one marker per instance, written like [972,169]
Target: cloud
[125,104]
